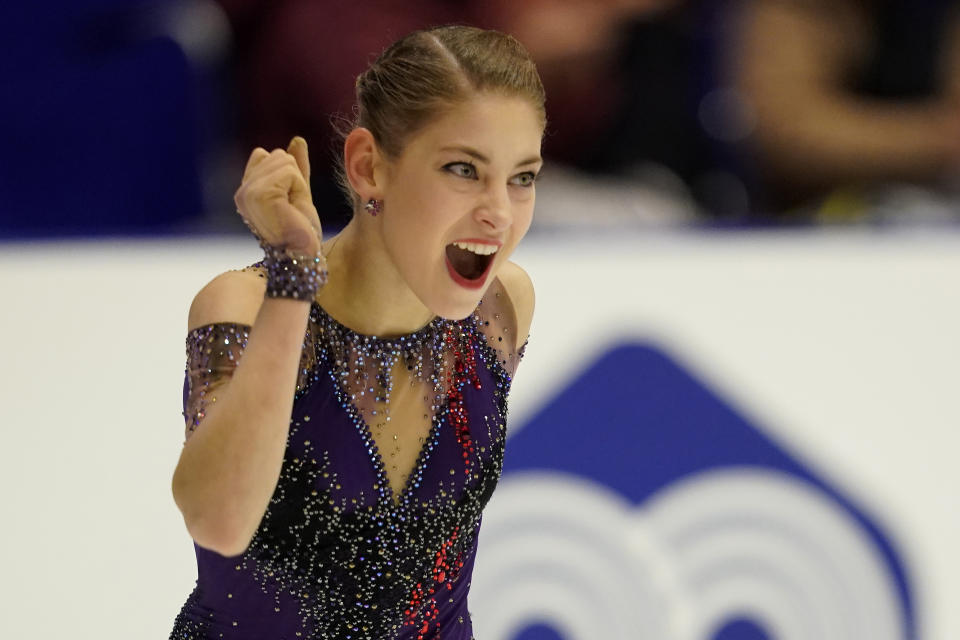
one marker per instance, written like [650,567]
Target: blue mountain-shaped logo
[637,504]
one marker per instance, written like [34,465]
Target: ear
[363,163]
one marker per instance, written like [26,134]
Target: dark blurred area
[135,117]
[100,127]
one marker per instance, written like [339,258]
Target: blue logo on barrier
[637,504]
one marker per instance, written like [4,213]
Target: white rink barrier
[713,437]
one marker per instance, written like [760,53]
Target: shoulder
[234,297]
[519,289]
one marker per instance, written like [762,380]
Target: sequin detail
[213,352]
[187,627]
[352,544]
[298,277]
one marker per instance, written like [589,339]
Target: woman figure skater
[346,399]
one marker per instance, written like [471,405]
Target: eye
[525,179]
[462,169]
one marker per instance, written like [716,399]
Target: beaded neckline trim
[361,368]
[437,323]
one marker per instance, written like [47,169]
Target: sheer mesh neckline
[435,324]
[372,374]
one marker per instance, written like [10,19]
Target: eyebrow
[473,153]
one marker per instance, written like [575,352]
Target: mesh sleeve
[498,324]
[213,352]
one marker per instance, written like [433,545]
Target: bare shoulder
[234,296]
[519,288]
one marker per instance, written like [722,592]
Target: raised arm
[230,463]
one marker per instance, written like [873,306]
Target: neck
[365,292]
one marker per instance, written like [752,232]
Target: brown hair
[427,71]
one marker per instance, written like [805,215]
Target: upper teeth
[479,249]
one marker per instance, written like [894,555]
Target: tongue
[468,264]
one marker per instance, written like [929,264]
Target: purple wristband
[297,277]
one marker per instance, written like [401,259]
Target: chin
[453,302]
[454,297]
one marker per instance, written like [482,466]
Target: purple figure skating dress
[395,447]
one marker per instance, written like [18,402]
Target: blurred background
[737,418]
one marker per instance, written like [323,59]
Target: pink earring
[372,206]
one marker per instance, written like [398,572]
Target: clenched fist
[275,202]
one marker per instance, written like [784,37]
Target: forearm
[791,63]
[229,467]
[845,140]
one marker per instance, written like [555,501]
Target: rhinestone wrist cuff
[297,277]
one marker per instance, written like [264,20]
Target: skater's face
[460,197]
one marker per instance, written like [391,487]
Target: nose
[494,211]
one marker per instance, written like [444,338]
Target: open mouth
[470,262]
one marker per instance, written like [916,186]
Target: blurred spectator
[291,74]
[843,96]
[749,109]
[744,111]
[644,132]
